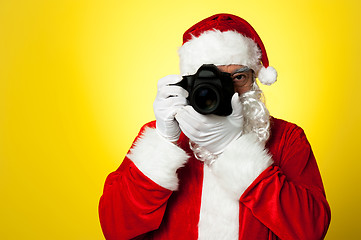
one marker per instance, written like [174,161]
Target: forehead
[230,68]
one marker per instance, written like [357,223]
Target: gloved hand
[212,132]
[168,100]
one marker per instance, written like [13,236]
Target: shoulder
[286,137]
[277,124]
[282,128]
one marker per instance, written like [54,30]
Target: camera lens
[206,99]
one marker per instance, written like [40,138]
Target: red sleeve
[288,197]
[131,204]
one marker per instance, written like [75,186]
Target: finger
[236,105]
[172,91]
[184,115]
[188,115]
[186,124]
[170,104]
[202,122]
[175,102]
[170,79]
[192,129]
[196,116]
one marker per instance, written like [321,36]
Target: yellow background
[78,79]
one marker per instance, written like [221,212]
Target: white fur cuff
[158,159]
[241,163]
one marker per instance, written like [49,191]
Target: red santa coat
[248,193]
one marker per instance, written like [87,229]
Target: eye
[240,77]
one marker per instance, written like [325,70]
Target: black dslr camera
[210,90]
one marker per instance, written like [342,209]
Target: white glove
[168,100]
[212,132]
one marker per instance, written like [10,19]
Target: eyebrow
[241,70]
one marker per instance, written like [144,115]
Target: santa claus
[245,175]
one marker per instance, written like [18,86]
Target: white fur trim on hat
[241,163]
[158,159]
[218,48]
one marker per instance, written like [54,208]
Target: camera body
[210,90]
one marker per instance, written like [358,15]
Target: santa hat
[225,39]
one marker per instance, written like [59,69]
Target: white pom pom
[267,76]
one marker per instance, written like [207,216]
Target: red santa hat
[225,39]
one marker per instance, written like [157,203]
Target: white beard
[256,115]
